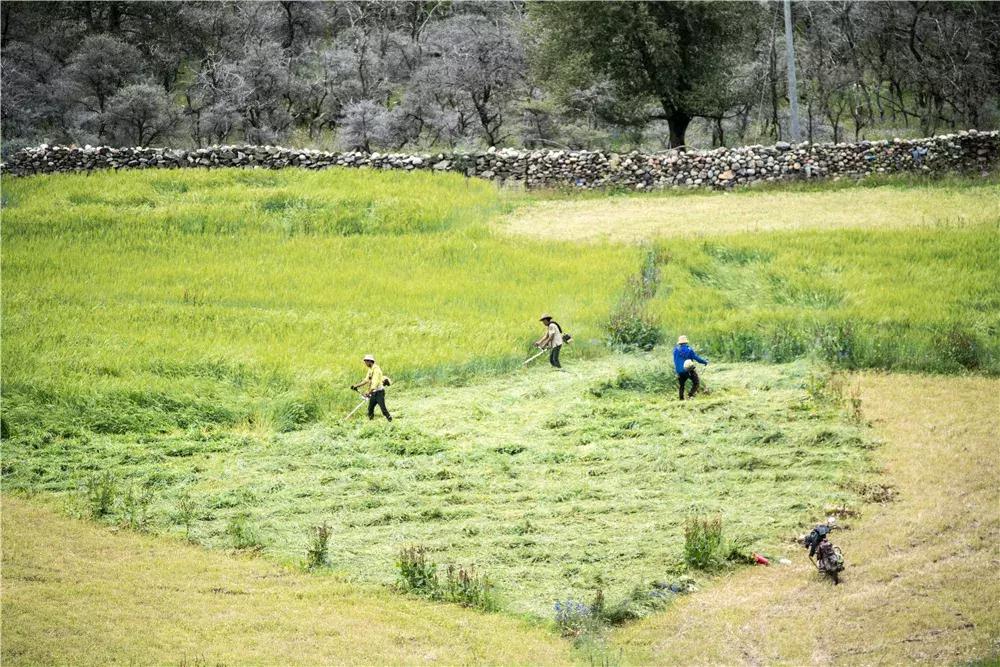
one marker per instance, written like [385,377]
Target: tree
[139,114]
[101,66]
[479,60]
[670,53]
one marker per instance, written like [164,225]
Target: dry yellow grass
[74,593]
[695,215]
[921,583]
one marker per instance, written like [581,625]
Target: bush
[573,618]
[705,547]
[318,554]
[631,327]
[243,534]
[464,586]
[100,491]
[185,514]
[135,508]
[416,573]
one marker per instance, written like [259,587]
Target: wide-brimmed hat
[682,339]
[368,357]
[544,317]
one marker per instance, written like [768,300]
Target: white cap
[369,357]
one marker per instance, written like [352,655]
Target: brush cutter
[356,408]
[533,357]
[385,383]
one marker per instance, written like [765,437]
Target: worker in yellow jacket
[374,388]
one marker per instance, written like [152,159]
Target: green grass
[552,484]
[188,338]
[146,302]
[924,299]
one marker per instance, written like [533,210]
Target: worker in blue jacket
[684,358]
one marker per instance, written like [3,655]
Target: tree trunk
[678,122]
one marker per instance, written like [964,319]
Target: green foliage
[186,512]
[318,554]
[135,508]
[703,542]
[99,492]
[630,325]
[675,54]
[242,533]
[459,584]
[922,299]
[463,585]
[416,573]
[642,601]
[705,546]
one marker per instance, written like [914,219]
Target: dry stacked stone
[964,152]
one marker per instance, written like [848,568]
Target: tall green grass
[921,299]
[143,302]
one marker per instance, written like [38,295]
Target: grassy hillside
[920,584]
[79,594]
[149,302]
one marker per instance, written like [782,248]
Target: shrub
[100,491]
[703,543]
[463,585]
[186,510]
[318,554]
[416,573]
[135,508]
[243,534]
[631,327]
[573,618]
[706,548]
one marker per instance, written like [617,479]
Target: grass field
[898,275]
[177,348]
[150,302]
[896,203]
[555,485]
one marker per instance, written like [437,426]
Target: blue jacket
[682,353]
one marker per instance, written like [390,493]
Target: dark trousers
[377,398]
[682,379]
[554,356]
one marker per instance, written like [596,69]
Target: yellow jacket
[374,379]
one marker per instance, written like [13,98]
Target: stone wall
[968,152]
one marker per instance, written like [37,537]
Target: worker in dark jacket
[684,358]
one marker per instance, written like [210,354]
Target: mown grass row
[151,302]
[552,485]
